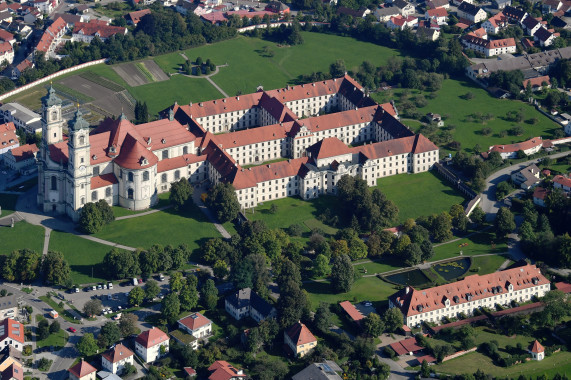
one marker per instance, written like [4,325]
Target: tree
[176,282]
[170,308]
[92,307]
[136,296]
[393,319]
[502,189]
[94,216]
[504,222]
[43,329]
[54,327]
[181,192]
[427,250]
[373,325]
[209,295]
[87,346]
[337,69]
[56,270]
[425,370]
[321,266]
[121,264]
[357,248]
[459,218]
[478,216]
[189,294]
[152,289]
[441,227]
[342,274]
[109,334]
[322,317]
[220,269]
[222,200]
[412,254]
[22,265]
[128,324]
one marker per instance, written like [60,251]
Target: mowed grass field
[84,256]
[163,227]
[480,243]
[419,194]
[449,101]
[23,235]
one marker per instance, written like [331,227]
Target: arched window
[165,154]
[145,176]
[177,175]
[94,196]
[81,140]
[82,200]
[164,178]
[108,192]
[185,150]
[130,176]
[130,193]
[54,183]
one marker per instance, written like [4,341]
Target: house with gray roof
[247,303]
[329,370]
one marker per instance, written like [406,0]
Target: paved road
[489,203]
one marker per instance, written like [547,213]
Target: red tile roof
[428,358]
[8,136]
[300,334]
[563,286]
[151,337]
[82,369]
[12,329]
[540,192]
[136,16]
[472,288]
[437,12]
[178,162]
[563,181]
[405,346]
[352,311]
[50,34]
[328,147]
[99,28]
[117,353]
[194,321]
[222,370]
[412,144]
[25,64]
[536,82]
[488,44]
[537,347]
[525,145]
[190,371]
[134,155]
[103,180]
[24,152]
[5,35]
[5,47]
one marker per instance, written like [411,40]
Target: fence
[50,77]
[451,177]
[275,25]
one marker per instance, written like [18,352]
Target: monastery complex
[320,132]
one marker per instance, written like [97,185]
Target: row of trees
[26,265]
[110,333]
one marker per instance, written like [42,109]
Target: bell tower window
[81,140]
[54,183]
[130,176]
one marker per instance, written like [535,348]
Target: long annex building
[316,132]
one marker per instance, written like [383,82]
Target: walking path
[144,213]
[196,198]
[216,86]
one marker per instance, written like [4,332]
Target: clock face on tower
[81,168]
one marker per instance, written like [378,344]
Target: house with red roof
[114,360]
[537,82]
[537,351]
[12,334]
[82,371]
[298,340]
[152,344]
[433,304]
[22,158]
[87,31]
[133,18]
[355,315]
[222,370]
[529,147]
[21,67]
[401,22]
[8,138]
[489,47]
[437,15]
[52,38]
[495,23]
[539,195]
[7,36]
[562,182]
[6,52]
[196,325]
[406,347]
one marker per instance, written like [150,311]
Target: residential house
[71,20]
[328,370]
[558,22]
[428,33]
[20,68]
[551,6]
[562,182]
[8,138]
[471,12]
[437,15]
[487,47]
[12,333]
[354,314]
[52,38]
[385,14]
[6,16]
[148,344]
[22,117]
[355,13]
[6,53]
[531,25]
[44,6]
[501,4]
[8,356]
[246,303]
[434,118]
[480,33]
[86,32]
[82,371]
[537,83]
[7,36]
[514,14]
[13,372]
[539,195]
[299,340]
[277,7]
[529,147]
[433,4]
[495,23]
[114,360]
[537,351]
[458,2]
[401,23]
[184,7]
[22,158]
[222,370]
[196,325]
[527,177]
[405,8]
[519,284]
[133,18]
[31,15]
[544,37]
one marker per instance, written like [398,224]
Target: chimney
[407,289]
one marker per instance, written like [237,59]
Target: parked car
[110,285]
[161,277]
[77,290]
[93,287]
[99,287]
[367,303]
[135,282]
[71,329]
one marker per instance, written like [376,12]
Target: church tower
[79,161]
[52,121]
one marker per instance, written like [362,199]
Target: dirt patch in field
[140,73]
[155,70]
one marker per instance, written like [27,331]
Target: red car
[71,329]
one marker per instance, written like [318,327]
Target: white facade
[152,353]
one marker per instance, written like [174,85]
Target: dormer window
[112,149]
[94,157]
[144,162]
[164,141]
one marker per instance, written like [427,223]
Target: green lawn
[23,235]
[119,211]
[84,256]
[419,194]
[57,340]
[294,210]
[366,288]
[163,227]
[487,264]
[374,267]
[8,203]
[478,244]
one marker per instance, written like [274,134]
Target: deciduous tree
[342,274]
[56,270]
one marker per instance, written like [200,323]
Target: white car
[110,285]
